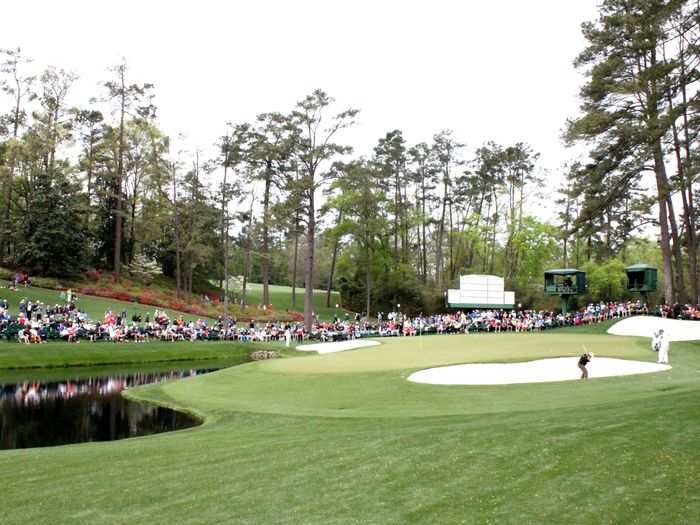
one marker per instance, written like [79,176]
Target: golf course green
[345,438]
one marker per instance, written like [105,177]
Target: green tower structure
[641,278]
[564,282]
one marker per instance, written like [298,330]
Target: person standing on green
[663,342]
[655,341]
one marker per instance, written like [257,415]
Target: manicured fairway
[343,438]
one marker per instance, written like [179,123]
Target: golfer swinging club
[582,362]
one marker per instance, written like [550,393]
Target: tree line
[286,201]
[639,117]
[101,186]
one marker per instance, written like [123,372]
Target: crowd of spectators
[37,323]
[687,312]
[496,320]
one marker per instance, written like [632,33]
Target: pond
[49,412]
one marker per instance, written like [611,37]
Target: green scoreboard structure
[641,278]
[564,282]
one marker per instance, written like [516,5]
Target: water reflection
[38,414]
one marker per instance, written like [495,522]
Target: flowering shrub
[165,298]
[106,292]
[176,305]
[120,296]
[296,316]
[93,275]
[147,298]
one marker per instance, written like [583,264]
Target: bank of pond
[40,408]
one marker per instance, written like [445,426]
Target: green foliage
[53,238]
[636,118]
[404,223]
[537,242]
[605,281]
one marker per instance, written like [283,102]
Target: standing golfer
[655,341]
[582,362]
[663,343]
[287,336]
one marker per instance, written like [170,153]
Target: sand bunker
[645,326]
[328,348]
[540,371]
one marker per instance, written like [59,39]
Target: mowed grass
[281,300]
[94,307]
[87,354]
[344,438]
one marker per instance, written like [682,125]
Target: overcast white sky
[490,70]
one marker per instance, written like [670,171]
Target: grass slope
[343,438]
[74,373]
[95,307]
[61,354]
[281,300]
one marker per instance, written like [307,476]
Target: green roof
[481,306]
[564,271]
[640,266]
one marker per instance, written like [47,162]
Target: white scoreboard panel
[480,291]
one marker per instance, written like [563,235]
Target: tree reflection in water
[40,414]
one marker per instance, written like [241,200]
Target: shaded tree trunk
[662,190]
[677,254]
[493,234]
[309,269]
[368,285]
[296,260]
[176,233]
[265,260]
[450,240]
[441,233]
[224,238]
[132,225]
[248,250]
[118,184]
[424,251]
[6,230]
[397,199]
[404,221]
[687,180]
[336,244]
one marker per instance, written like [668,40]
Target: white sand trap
[339,346]
[540,371]
[645,326]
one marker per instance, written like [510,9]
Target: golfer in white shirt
[663,342]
